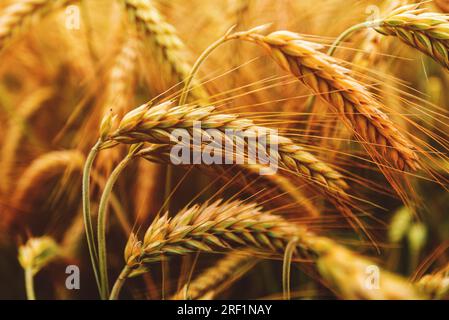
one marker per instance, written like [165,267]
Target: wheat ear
[16,16]
[333,83]
[161,154]
[39,171]
[236,225]
[214,279]
[17,129]
[154,125]
[425,31]
[168,46]
[35,255]
[119,92]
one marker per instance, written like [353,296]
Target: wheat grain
[332,83]
[16,16]
[425,31]
[236,225]
[169,47]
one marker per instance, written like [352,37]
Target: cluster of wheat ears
[355,210]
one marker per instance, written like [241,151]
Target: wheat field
[238,149]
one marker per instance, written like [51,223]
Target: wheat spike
[39,171]
[119,93]
[161,154]
[214,279]
[16,16]
[425,31]
[332,83]
[236,225]
[154,125]
[169,47]
[17,129]
[37,253]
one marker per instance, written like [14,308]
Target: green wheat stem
[206,53]
[286,267]
[86,210]
[29,284]
[101,226]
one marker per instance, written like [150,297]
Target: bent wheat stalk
[236,225]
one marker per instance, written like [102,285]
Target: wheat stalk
[16,16]
[154,125]
[169,47]
[211,281]
[425,31]
[236,225]
[370,49]
[332,83]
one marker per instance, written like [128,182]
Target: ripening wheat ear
[15,17]
[332,83]
[119,93]
[236,225]
[215,279]
[169,47]
[35,255]
[155,124]
[16,131]
[425,31]
[41,169]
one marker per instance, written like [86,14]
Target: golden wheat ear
[16,16]
[359,111]
[237,225]
[426,31]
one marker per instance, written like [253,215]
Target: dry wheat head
[349,98]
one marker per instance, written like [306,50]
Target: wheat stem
[86,210]
[101,225]
[29,284]
[196,66]
[102,218]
